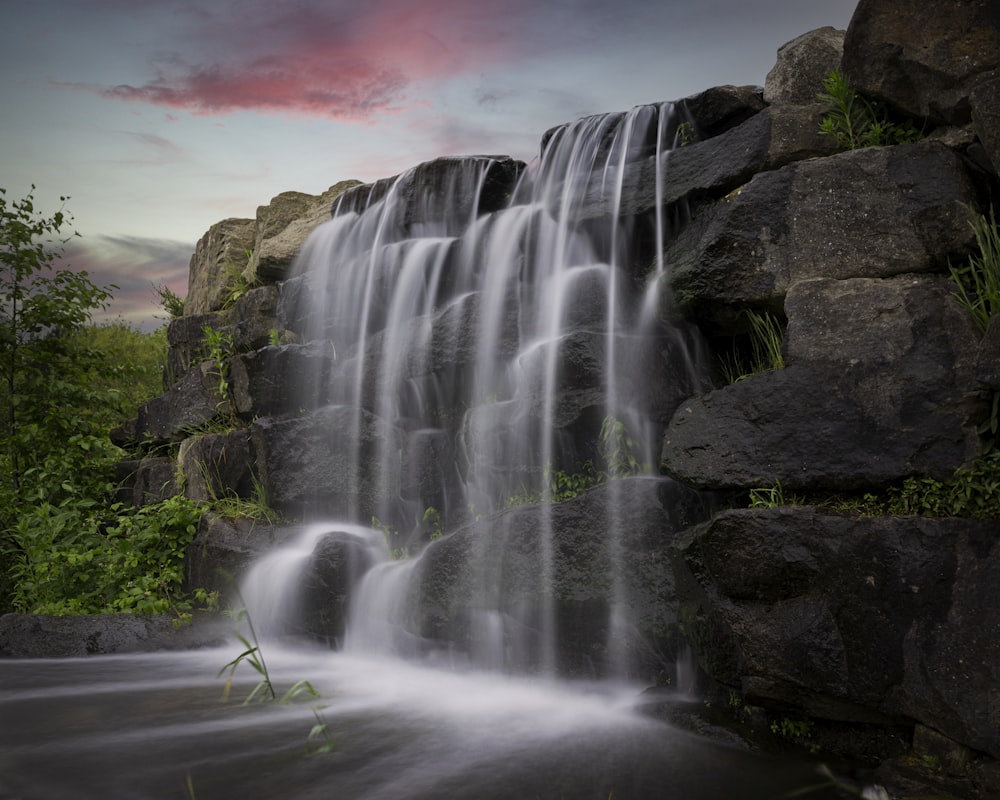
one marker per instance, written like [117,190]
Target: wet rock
[870,619]
[429,193]
[277,380]
[709,168]
[483,587]
[924,60]
[335,569]
[335,462]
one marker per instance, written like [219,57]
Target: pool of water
[158,726]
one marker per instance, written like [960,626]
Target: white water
[146,727]
[458,330]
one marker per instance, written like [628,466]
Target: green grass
[978,281]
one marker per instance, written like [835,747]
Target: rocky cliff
[882,631]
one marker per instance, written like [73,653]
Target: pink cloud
[349,63]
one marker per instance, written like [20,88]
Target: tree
[41,307]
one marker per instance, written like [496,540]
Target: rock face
[851,618]
[890,623]
[879,384]
[924,61]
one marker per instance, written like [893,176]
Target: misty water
[450,329]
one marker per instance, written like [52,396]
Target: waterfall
[493,326]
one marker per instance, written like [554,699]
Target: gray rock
[219,256]
[224,549]
[315,466]
[282,379]
[283,225]
[874,212]
[802,66]
[923,59]
[867,619]
[879,385]
[39,636]
[217,465]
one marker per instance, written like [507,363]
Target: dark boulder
[874,212]
[330,580]
[924,59]
[148,480]
[188,404]
[337,461]
[224,549]
[879,385]
[277,380]
[866,619]
[215,466]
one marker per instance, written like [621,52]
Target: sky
[159,118]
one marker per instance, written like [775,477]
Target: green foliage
[973,492]
[432,517]
[617,448]
[229,504]
[170,301]
[82,557]
[392,537]
[219,346]
[127,367]
[43,366]
[978,282]
[237,282]
[772,496]
[766,335]
[686,134]
[854,121]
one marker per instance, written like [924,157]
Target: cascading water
[493,328]
[491,347]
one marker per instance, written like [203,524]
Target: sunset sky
[161,117]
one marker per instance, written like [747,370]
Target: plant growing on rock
[766,335]
[977,283]
[854,121]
